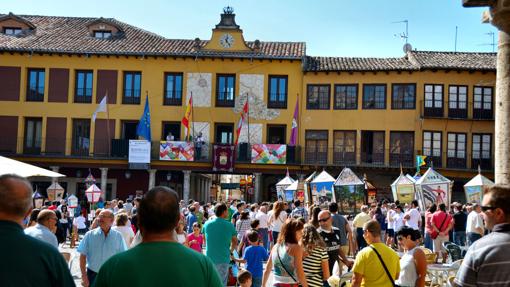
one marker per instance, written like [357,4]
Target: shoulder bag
[384,266]
[434,233]
[283,265]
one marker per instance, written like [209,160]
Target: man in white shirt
[45,228]
[413,216]
[474,225]
[263,224]
[391,224]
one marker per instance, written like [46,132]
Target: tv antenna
[403,35]
[493,44]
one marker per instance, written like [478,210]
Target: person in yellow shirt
[358,222]
[368,268]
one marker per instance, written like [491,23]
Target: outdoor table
[439,273]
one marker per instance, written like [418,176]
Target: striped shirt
[312,265]
[487,261]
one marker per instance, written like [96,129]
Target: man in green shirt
[159,260]
[221,239]
[26,261]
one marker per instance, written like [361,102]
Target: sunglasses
[487,207]
[399,238]
[324,219]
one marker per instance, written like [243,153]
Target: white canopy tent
[474,187]
[11,166]
[281,186]
[322,187]
[403,188]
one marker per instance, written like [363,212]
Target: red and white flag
[244,115]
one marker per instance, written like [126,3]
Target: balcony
[35,95]
[83,96]
[225,99]
[172,98]
[455,110]
[344,158]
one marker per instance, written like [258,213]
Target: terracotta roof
[453,60]
[71,35]
[415,60]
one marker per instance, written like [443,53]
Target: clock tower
[227,35]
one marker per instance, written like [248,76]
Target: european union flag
[144,126]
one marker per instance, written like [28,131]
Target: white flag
[100,108]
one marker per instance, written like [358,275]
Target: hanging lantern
[38,199]
[93,193]
[55,192]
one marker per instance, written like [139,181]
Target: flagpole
[192,118]
[248,117]
[108,124]
[298,120]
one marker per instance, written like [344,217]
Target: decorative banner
[349,198]
[474,193]
[435,193]
[269,153]
[405,193]
[289,195]
[322,191]
[223,158]
[176,151]
[139,151]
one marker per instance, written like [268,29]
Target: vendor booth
[281,186]
[306,187]
[322,188]
[349,191]
[370,191]
[432,187]
[403,189]
[474,188]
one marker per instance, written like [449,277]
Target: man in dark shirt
[342,224]
[459,226]
[331,236]
[20,252]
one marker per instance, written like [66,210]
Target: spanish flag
[186,120]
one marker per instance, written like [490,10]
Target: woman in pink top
[195,239]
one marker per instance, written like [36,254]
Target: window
[317,97]
[456,150]
[277,92]
[171,131]
[224,133]
[432,147]
[129,130]
[404,97]
[374,97]
[401,148]
[372,147]
[13,31]
[132,87]
[316,147]
[481,155]
[482,103]
[33,132]
[35,85]
[344,147]
[173,89]
[81,137]
[346,97]
[83,87]
[276,134]
[457,102]
[433,105]
[225,90]
[102,34]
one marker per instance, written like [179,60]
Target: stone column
[186,186]
[152,178]
[258,187]
[500,12]
[104,180]
[54,169]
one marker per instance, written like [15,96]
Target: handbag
[283,265]
[434,234]
[384,266]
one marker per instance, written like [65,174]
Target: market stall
[432,187]
[322,188]
[474,188]
[306,187]
[281,186]
[403,188]
[349,191]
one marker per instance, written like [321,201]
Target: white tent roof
[324,176]
[479,180]
[293,186]
[11,166]
[432,176]
[403,179]
[311,177]
[286,181]
[411,178]
[348,177]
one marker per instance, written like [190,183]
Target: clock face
[226,40]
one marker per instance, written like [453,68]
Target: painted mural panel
[200,85]
[251,86]
[255,133]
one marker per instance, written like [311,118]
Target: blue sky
[361,28]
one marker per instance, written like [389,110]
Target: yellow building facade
[370,114]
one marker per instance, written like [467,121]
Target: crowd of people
[159,240]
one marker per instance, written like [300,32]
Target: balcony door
[33,131]
[81,137]
[316,147]
[372,147]
[224,133]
